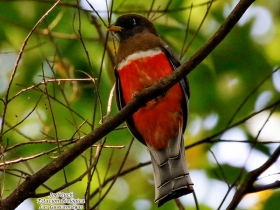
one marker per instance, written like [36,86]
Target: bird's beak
[114,28]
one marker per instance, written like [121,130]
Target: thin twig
[210,138]
[199,27]
[21,121]
[249,95]
[28,187]
[115,178]
[17,63]
[179,204]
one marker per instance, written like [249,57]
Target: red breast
[159,120]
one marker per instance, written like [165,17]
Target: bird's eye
[130,23]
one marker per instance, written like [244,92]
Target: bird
[142,60]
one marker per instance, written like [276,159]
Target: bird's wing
[175,63]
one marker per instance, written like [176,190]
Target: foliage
[55,87]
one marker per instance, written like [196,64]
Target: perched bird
[143,59]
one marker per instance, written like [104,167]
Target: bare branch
[259,188]
[210,138]
[17,63]
[247,185]
[28,187]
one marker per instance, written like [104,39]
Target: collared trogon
[143,59]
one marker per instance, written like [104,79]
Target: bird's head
[131,24]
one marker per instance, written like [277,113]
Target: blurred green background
[233,82]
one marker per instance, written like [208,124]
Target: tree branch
[28,187]
[259,188]
[247,186]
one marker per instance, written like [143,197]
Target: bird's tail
[171,174]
